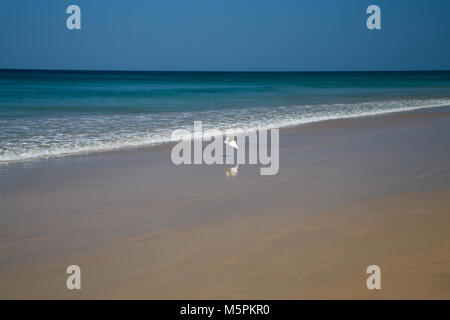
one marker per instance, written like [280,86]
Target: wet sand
[349,193]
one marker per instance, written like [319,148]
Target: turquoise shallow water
[53,113]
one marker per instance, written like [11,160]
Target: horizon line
[220,71]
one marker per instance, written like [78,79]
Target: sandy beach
[349,193]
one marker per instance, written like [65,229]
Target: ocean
[55,113]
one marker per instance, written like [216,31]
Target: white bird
[231,142]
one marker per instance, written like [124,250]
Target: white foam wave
[27,140]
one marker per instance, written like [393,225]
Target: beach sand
[349,194]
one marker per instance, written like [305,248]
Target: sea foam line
[149,139]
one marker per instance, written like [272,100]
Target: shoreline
[166,144]
[349,193]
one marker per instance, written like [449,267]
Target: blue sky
[247,35]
